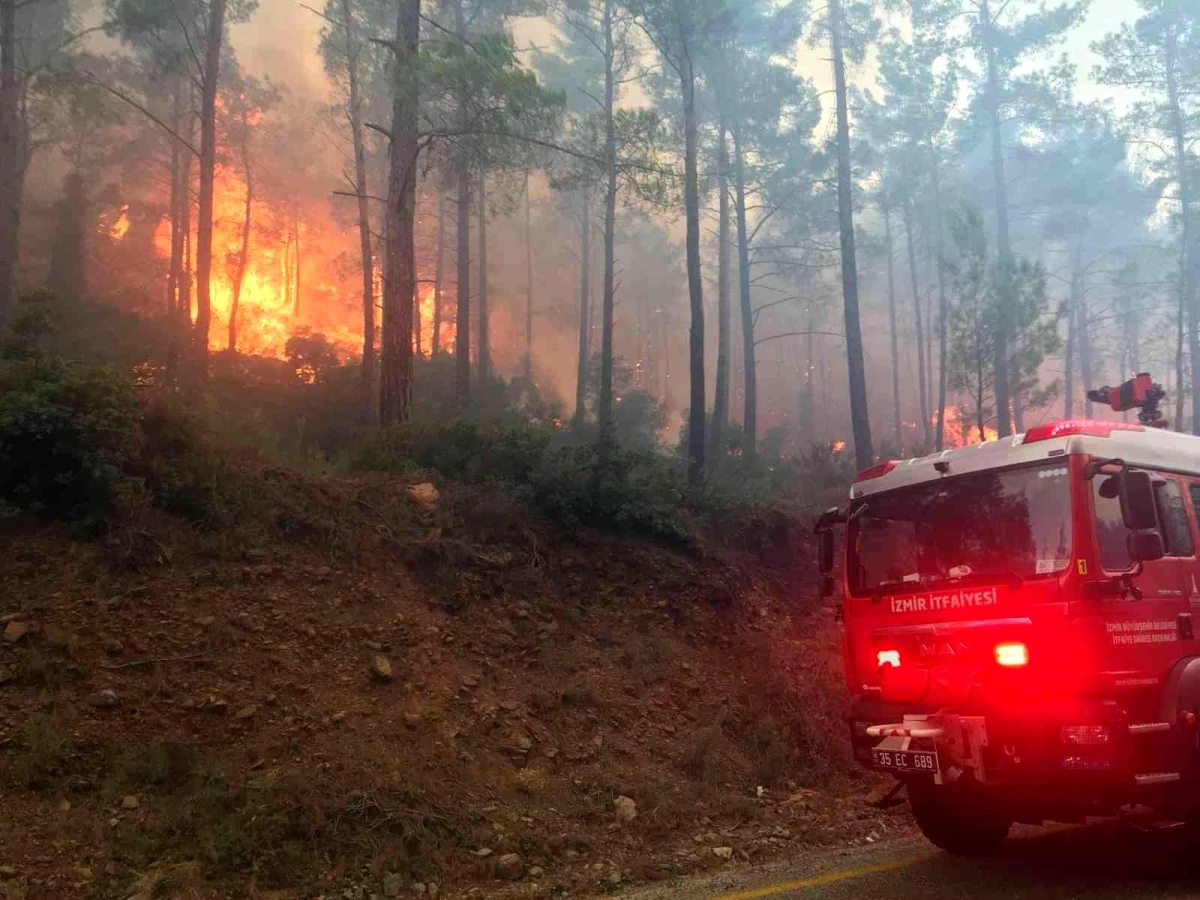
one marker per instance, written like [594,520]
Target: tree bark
[1085,349]
[462,316]
[1188,299]
[750,389]
[1069,353]
[185,281]
[585,277]
[361,185]
[296,271]
[943,303]
[922,384]
[696,415]
[177,195]
[890,251]
[239,275]
[10,154]
[604,403]
[724,291]
[1004,257]
[439,278]
[528,287]
[400,270]
[485,336]
[208,161]
[859,416]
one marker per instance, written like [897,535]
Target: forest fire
[960,431]
[291,278]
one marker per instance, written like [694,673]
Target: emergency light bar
[1074,427]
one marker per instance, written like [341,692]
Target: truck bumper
[1072,754]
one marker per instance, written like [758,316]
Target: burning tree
[186,38]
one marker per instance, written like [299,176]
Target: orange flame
[281,240]
[838,446]
[118,229]
[960,431]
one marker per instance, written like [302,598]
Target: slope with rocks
[380,688]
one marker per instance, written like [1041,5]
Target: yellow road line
[784,887]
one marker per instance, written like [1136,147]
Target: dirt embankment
[373,693]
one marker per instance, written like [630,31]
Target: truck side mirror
[828,586]
[825,552]
[1145,546]
[1138,507]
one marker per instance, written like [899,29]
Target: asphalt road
[1103,861]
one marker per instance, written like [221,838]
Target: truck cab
[1018,627]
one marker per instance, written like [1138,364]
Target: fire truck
[1019,624]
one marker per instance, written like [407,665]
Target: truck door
[1141,639]
[1191,573]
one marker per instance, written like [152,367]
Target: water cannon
[1140,393]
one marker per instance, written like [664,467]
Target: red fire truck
[1019,625]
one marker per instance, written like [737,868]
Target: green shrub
[183,471]
[66,435]
[41,754]
[460,449]
[637,493]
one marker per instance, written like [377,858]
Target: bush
[66,435]
[637,493]
[461,450]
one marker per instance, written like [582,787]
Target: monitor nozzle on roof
[1140,393]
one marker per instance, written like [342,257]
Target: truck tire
[958,819]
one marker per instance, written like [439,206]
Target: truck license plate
[921,761]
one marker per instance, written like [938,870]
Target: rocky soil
[438,697]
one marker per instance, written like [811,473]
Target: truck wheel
[957,819]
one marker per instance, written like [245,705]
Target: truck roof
[1152,448]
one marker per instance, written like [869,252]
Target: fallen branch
[150,662]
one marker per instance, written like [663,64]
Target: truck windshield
[1013,524]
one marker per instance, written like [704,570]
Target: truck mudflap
[943,745]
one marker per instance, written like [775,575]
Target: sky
[281,42]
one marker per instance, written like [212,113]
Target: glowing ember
[838,446]
[119,228]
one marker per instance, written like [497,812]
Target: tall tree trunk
[859,417]
[1004,256]
[485,331]
[1083,335]
[922,386]
[691,192]
[750,389]
[239,275]
[1188,298]
[439,278]
[208,162]
[724,291]
[173,272]
[807,398]
[890,251]
[943,304]
[366,388]
[604,403]
[585,281]
[400,269]
[10,155]
[528,286]
[185,281]
[296,271]
[1069,353]
[462,315]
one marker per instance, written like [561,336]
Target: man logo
[943,650]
